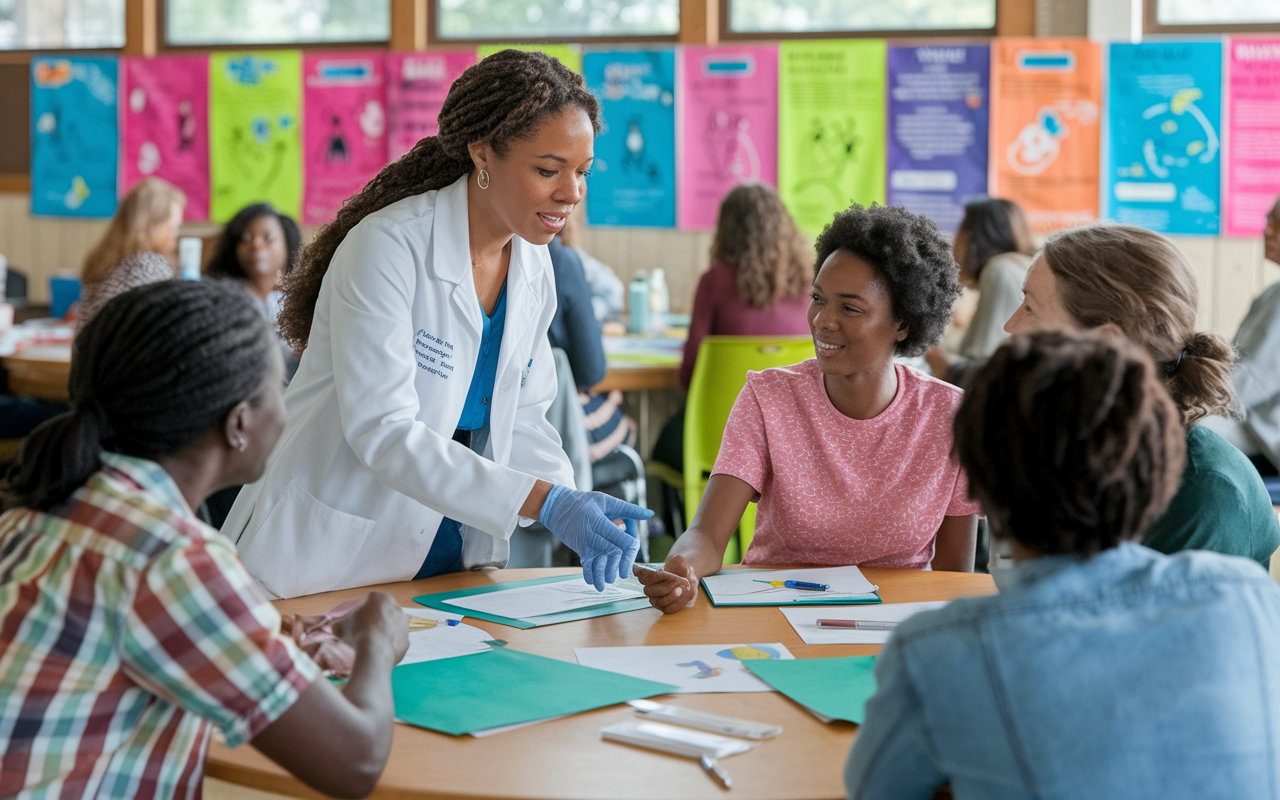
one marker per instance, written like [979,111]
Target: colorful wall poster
[938,115]
[831,127]
[255,145]
[633,177]
[417,84]
[728,125]
[74,136]
[1164,110]
[1045,96]
[344,128]
[165,126]
[1253,134]
[568,54]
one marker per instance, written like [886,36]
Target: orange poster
[1045,96]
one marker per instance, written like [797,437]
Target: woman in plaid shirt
[129,629]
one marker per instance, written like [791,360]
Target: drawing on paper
[757,652]
[704,670]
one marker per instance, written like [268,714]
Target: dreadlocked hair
[1070,441]
[155,370]
[758,238]
[503,98]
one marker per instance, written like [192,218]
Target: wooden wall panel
[1239,280]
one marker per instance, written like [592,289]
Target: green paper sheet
[255,146]
[568,55]
[505,687]
[834,687]
[831,127]
[437,601]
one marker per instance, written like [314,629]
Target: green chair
[720,374]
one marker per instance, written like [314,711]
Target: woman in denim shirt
[1103,668]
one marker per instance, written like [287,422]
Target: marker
[860,624]
[805,585]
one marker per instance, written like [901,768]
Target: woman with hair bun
[417,436]
[1132,281]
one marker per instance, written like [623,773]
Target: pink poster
[1251,156]
[165,117]
[416,87]
[344,129]
[728,126]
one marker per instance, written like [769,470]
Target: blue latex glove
[584,521]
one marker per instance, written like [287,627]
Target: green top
[1221,505]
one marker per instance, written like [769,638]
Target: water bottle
[659,299]
[638,304]
[190,249]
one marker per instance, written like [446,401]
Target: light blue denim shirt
[1129,675]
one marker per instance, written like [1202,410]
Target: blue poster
[74,136]
[1162,162]
[938,122]
[633,179]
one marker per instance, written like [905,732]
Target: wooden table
[567,759]
[631,377]
[39,371]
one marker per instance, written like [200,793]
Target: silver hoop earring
[482,179]
[241,444]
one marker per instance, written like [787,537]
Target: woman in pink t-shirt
[848,455]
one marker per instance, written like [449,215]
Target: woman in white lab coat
[417,436]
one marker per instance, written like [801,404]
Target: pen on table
[860,624]
[716,771]
[805,585]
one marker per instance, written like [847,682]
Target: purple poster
[938,108]
[417,84]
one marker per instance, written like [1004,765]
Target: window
[1219,12]
[821,16]
[50,24]
[200,22]
[522,20]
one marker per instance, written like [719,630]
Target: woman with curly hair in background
[847,454]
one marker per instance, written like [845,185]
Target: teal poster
[1163,158]
[75,136]
[633,178]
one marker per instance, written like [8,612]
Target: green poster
[831,127]
[568,54]
[255,143]
[838,688]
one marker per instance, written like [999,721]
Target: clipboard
[437,601]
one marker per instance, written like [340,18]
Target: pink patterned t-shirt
[833,490]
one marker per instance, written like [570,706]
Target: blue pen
[805,585]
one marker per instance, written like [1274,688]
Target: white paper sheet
[695,668]
[735,585]
[504,728]
[431,613]
[805,621]
[445,641]
[547,598]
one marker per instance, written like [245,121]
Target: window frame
[1151,24]
[727,35]
[163,45]
[439,42]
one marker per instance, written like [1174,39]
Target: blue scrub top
[446,549]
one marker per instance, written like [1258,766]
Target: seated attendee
[131,629]
[1256,379]
[256,249]
[1102,668]
[993,247]
[847,454]
[1136,282]
[138,246]
[606,287]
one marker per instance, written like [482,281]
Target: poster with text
[728,126]
[417,84]
[1045,98]
[74,136]
[568,54]
[1253,134]
[831,127]
[255,142]
[1164,111]
[633,178]
[938,114]
[165,123]
[344,129]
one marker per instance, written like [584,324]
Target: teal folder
[506,687]
[437,601]
[816,601]
[834,687]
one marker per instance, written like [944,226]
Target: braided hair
[226,264]
[155,370]
[501,99]
[1070,441]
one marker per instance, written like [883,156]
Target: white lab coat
[366,467]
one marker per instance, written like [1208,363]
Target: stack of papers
[694,668]
[805,622]
[743,587]
[832,688]
[539,601]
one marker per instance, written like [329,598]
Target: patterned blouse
[136,270]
